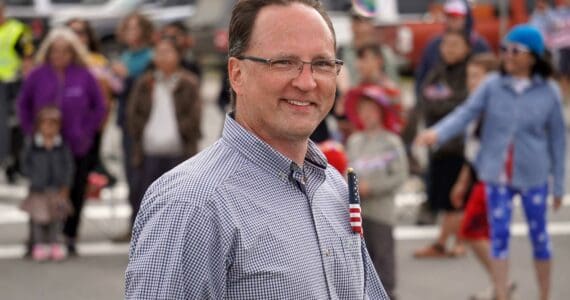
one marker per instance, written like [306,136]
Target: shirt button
[328,252]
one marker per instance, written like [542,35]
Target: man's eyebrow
[292,56]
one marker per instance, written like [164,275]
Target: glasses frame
[513,49]
[270,61]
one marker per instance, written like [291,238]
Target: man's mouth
[298,102]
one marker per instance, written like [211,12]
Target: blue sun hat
[529,36]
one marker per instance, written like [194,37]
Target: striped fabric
[241,221]
[354,203]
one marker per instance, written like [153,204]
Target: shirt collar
[39,140]
[172,80]
[536,79]
[262,154]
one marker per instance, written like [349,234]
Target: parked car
[37,13]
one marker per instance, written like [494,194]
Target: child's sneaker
[40,253]
[57,252]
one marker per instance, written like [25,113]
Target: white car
[37,13]
[106,16]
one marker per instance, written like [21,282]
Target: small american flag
[354,203]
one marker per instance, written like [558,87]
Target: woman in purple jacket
[62,79]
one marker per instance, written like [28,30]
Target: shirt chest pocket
[350,258]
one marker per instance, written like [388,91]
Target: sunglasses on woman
[514,48]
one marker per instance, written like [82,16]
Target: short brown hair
[147,28]
[487,61]
[243,19]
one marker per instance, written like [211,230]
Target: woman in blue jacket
[522,147]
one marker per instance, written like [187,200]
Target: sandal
[432,251]
[458,251]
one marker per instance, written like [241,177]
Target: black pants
[443,172]
[151,169]
[381,247]
[11,138]
[133,176]
[4,126]
[83,166]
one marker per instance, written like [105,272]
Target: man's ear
[235,74]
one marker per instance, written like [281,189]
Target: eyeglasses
[514,48]
[326,68]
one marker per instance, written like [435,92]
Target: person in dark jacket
[444,89]
[48,163]
[458,17]
[163,116]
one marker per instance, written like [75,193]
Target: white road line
[406,233]
[402,233]
[84,249]
[11,215]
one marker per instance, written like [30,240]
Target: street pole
[503,17]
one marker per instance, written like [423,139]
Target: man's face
[279,106]
[363,32]
[453,48]
[455,23]
[369,66]
[166,58]
[178,35]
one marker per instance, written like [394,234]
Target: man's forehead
[290,20]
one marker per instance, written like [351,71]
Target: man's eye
[283,63]
[323,64]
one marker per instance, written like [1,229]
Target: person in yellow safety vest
[16,44]
[16,50]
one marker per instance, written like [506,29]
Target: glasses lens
[285,64]
[324,66]
[293,66]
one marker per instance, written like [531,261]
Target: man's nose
[305,81]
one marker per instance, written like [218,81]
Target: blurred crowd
[57,97]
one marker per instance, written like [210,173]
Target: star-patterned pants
[499,210]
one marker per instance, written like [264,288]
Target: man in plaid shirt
[259,214]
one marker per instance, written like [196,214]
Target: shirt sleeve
[557,146]
[25,45]
[96,103]
[25,104]
[395,173]
[456,121]
[430,57]
[177,251]
[373,288]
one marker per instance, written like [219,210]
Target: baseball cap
[456,8]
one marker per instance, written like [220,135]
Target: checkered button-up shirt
[241,221]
